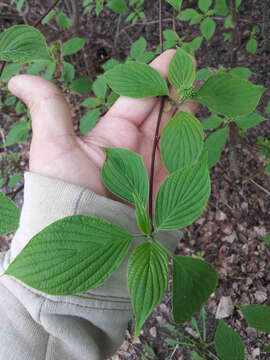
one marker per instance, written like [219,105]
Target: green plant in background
[263,145]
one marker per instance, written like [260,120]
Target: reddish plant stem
[156,138]
[36,24]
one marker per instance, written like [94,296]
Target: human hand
[57,152]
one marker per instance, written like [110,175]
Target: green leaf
[63,20]
[9,215]
[267,110]
[221,8]
[193,46]
[181,70]
[14,180]
[208,28]
[123,173]
[195,356]
[138,48]
[143,219]
[68,72]
[110,64]
[182,197]
[181,141]
[10,100]
[92,102]
[23,43]
[82,85]
[171,39]
[18,132]
[228,95]
[72,46]
[214,145]
[118,6]
[50,71]
[241,72]
[136,80]
[99,6]
[187,15]
[72,255]
[10,70]
[248,121]
[89,121]
[257,316]
[48,18]
[176,4]
[228,343]
[37,67]
[194,280]
[148,274]
[252,46]
[266,238]
[204,5]
[266,348]
[203,74]
[211,123]
[100,87]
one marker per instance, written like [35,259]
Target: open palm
[57,152]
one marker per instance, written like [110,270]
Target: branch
[156,139]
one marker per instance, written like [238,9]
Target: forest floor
[229,232]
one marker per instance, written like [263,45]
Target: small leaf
[123,173]
[68,72]
[204,5]
[82,85]
[194,280]
[63,21]
[221,8]
[208,28]
[92,102]
[252,46]
[266,238]
[72,46]
[257,316]
[23,43]
[9,215]
[182,197]
[14,180]
[88,121]
[241,72]
[212,122]
[10,70]
[181,70]
[203,74]
[18,132]
[143,219]
[248,121]
[148,274]
[228,343]
[100,87]
[48,18]
[138,48]
[181,141]
[118,6]
[136,80]
[187,14]
[214,145]
[267,110]
[176,4]
[228,95]
[72,255]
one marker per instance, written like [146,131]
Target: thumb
[50,113]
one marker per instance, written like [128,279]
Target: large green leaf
[22,43]
[181,141]
[9,215]
[182,197]
[72,255]
[257,316]
[194,280]
[148,274]
[228,95]
[136,80]
[123,173]
[228,343]
[214,145]
[143,219]
[73,45]
[181,70]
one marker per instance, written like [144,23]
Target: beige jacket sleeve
[90,326]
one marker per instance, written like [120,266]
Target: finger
[50,113]
[134,110]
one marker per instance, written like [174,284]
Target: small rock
[244,206]
[260,296]
[220,215]
[164,309]
[230,238]
[255,353]
[227,229]
[225,308]
[153,332]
